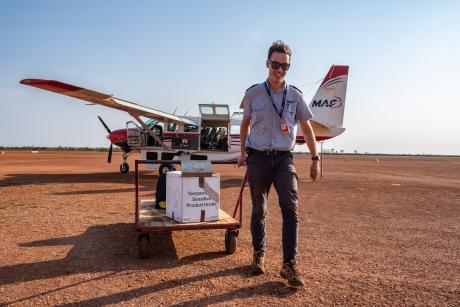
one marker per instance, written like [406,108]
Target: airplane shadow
[43,179]
[101,248]
[147,181]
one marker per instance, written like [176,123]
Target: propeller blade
[103,123]
[109,158]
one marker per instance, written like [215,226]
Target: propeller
[105,126]
[109,158]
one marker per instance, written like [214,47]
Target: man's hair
[279,46]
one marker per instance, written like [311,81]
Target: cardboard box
[187,202]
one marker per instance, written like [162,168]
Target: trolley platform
[152,219]
[149,219]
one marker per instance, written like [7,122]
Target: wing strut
[152,133]
[321,160]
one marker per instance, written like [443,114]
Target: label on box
[198,199]
[186,201]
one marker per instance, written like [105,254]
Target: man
[272,111]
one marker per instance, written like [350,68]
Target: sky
[404,59]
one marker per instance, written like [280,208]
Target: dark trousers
[263,170]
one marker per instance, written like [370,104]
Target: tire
[144,246]
[231,238]
[124,168]
[165,168]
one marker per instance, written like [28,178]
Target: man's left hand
[314,170]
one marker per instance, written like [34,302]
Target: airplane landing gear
[124,168]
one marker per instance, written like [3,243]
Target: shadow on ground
[147,182]
[113,249]
[39,179]
[275,289]
[100,248]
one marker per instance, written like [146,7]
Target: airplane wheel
[231,238]
[124,168]
[165,168]
[144,246]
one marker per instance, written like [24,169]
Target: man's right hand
[314,170]
[242,159]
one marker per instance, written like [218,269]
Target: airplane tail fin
[328,104]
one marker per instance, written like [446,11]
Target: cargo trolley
[149,219]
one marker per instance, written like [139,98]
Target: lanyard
[267,88]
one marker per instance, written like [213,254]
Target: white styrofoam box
[185,200]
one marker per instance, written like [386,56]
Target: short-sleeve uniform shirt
[265,122]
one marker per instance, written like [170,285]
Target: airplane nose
[117,136]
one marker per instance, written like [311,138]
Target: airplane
[214,135]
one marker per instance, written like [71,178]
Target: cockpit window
[151,122]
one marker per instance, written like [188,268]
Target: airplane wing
[104,99]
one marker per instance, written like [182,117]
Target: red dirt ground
[374,231]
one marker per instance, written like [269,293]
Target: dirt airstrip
[373,231]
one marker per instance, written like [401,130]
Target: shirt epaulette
[251,87]
[296,89]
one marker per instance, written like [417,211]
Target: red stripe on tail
[335,71]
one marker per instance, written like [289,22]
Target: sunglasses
[275,65]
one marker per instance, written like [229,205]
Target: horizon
[332,151]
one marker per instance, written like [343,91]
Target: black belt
[268,152]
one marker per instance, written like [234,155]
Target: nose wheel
[124,168]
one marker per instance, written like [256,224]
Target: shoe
[289,271]
[258,262]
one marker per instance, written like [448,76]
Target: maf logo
[332,103]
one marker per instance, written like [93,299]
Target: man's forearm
[309,136]
[244,130]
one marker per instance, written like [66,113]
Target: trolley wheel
[144,245]
[124,168]
[231,238]
[165,168]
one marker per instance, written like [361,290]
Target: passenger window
[190,128]
[172,127]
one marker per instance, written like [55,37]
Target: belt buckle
[271,152]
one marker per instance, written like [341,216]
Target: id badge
[284,128]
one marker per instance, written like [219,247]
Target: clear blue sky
[404,59]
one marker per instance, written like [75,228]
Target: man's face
[279,73]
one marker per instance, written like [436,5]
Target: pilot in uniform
[272,117]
